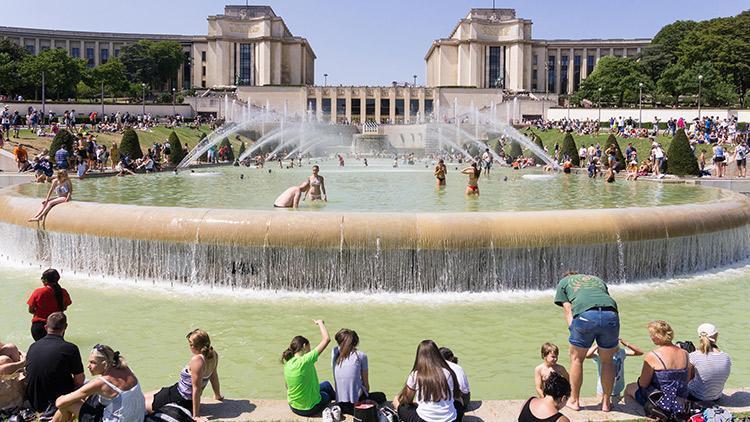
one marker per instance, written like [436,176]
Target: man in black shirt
[53,366]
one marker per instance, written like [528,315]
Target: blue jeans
[595,325]
[327,395]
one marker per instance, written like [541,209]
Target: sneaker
[336,413]
[327,415]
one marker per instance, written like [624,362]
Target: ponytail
[707,344]
[298,343]
[347,340]
[52,278]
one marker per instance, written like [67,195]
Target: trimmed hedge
[63,139]
[620,158]
[178,153]
[225,143]
[681,158]
[242,149]
[569,147]
[515,150]
[130,145]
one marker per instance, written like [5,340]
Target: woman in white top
[114,396]
[712,366]
[430,390]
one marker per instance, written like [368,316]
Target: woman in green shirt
[306,397]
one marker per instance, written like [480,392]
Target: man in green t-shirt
[592,315]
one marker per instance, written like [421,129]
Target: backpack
[171,413]
[386,414]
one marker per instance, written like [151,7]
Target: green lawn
[158,134]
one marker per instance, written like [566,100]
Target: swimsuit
[473,188]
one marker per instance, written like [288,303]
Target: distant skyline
[370,43]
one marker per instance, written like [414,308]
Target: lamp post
[415,80]
[174,110]
[700,85]
[102,98]
[43,102]
[546,90]
[325,79]
[599,101]
[640,104]
[143,98]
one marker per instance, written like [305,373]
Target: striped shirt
[711,372]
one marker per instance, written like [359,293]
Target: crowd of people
[673,375]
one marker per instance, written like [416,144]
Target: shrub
[178,153]
[130,145]
[620,158]
[230,152]
[62,139]
[204,157]
[569,147]
[681,159]
[242,149]
[515,150]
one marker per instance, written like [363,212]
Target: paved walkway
[737,401]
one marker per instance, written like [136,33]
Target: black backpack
[171,413]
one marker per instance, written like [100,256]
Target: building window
[534,80]
[312,104]
[534,60]
[117,52]
[187,70]
[399,107]
[413,107]
[356,107]
[246,65]
[576,72]
[340,106]
[90,57]
[75,52]
[43,48]
[385,107]
[104,56]
[589,64]
[495,64]
[370,107]
[203,71]
[551,73]
[427,107]
[31,48]
[564,74]
[203,56]
[203,84]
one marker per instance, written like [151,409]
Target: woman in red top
[46,300]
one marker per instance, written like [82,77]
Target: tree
[515,150]
[152,62]
[111,74]
[63,139]
[715,88]
[230,152]
[130,145]
[61,73]
[177,152]
[664,48]
[611,140]
[681,158]
[570,149]
[618,78]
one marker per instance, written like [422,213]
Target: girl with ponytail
[202,369]
[306,397]
[712,366]
[45,300]
[115,380]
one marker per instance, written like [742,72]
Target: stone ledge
[735,400]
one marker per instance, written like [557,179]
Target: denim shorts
[595,325]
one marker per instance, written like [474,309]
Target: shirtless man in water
[474,172]
[290,197]
[317,186]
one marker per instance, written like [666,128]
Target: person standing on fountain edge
[306,397]
[591,315]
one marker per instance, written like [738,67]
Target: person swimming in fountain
[317,186]
[290,197]
[474,172]
[440,170]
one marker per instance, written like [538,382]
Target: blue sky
[370,42]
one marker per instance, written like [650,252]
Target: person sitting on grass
[555,393]
[305,395]
[619,361]
[114,396]
[550,353]
[63,187]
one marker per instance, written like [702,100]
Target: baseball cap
[708,330]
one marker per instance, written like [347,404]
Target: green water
[496,337]
[379,187]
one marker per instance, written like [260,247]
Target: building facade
[245,46]
[492,48]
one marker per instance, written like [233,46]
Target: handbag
[366,411]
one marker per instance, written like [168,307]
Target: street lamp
[546,90]
[174,111]
[43,99]
[700,85]
[640,104]
[599,101]
[325,80]
[143,98]
[415,80]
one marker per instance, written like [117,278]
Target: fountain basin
[366,251]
